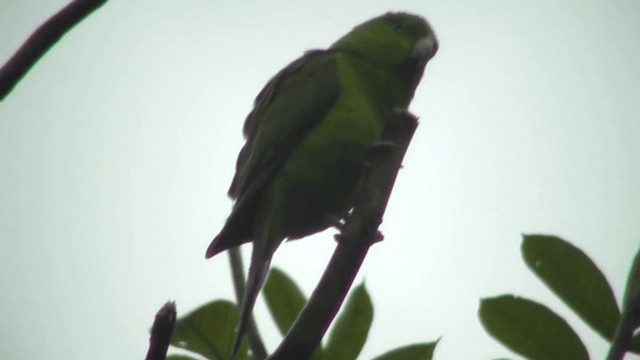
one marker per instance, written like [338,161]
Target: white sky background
[117,149]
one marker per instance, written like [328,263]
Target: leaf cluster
[208,331]
[535,331]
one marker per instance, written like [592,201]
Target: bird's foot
[376,238]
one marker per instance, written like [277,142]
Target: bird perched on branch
[309,134]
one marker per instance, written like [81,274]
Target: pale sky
[117,149]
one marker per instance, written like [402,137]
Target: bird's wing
[286,109]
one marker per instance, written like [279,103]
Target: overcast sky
[117,149]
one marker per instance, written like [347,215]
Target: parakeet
[309,133]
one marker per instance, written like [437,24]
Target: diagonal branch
[42,40]
[359,233]
[630,318]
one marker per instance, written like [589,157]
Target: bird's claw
[377,237]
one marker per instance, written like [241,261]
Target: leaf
[179,357]
[422,351]
[635,343]
[351,327]
[284,299]
[630,318]
[209,331]
[571,275]
[530,329]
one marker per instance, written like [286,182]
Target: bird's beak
[426,47]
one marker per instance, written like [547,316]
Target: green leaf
[635,343]
[284,299]
[422,351]
[179,357]
[630,318]
[530,329]
[209,331]
[571,274]
[351,328]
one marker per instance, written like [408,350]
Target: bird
[308,136]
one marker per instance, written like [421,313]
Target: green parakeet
[309,133]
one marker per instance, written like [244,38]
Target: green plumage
[309,134]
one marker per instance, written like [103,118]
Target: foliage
[523,325]
[209,330]
[535,331]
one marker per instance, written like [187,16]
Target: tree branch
[42,40]
[630,318]
[161,332]
[359,233]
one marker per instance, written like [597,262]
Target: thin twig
[42,40]
[359,233]
[161,332]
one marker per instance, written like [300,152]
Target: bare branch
[630,318]
[42,40]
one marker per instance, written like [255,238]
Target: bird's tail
[260,261]
[234,233]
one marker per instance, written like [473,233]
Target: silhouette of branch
[161,332]
[360,231]
[630,318]
[42,40]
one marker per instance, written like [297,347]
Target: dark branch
[630,318]
[161,332]
[42,40]
[239,284]
[359,233]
